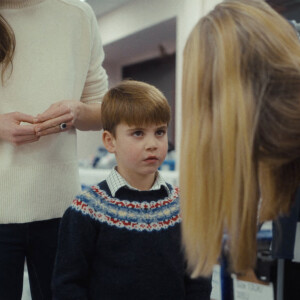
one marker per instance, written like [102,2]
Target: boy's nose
[151,143]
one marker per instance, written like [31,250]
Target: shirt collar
[115,181]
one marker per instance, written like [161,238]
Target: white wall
[134,17]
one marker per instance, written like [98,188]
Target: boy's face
[139,151]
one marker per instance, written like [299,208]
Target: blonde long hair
[241,130]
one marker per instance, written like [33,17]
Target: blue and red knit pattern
[132,215]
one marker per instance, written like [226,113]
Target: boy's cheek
[165,151]
[166,145]
[132,156]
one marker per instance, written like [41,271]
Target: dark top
[284,232]
[126,247]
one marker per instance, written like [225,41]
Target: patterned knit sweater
[124,247]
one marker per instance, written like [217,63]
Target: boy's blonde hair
[241,125]
[134,103]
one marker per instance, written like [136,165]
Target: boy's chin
[150,170]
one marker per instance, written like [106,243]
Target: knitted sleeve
[76,244]
[96,82]
[197,288]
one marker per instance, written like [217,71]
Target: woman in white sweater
[52,82]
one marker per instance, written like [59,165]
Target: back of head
[241,90]
[134,103]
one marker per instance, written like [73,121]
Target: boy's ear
[108,141]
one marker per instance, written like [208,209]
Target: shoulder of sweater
[91,192]
[171,186]
[84,7]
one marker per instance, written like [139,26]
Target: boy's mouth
[151,159]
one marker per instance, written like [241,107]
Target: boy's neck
[139,182]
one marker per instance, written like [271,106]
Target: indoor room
[55,151]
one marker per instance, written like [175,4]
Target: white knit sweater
[58,56]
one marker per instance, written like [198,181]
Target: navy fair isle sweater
[124,247]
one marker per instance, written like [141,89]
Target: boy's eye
[160,132]
[138,133]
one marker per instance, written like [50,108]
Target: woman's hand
[13,131]
[49,121]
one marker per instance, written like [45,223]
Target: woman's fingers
[53,126]
[60,112]
[55,129]
[23,134]
[15,131]
[23,129]
[54,111]
[26,139]
[20,117]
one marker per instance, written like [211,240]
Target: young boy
[121,238]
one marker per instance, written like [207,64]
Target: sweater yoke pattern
[131,215]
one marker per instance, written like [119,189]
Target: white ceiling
[150,42]
[142,44]
[102,7]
